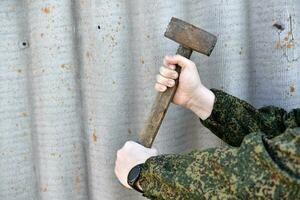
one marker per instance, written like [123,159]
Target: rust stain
[45,10]
[94,136]
[77,183]
[24,114]
[89,55]
[64,66]
[278,45]
[290,45]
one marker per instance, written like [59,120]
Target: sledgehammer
[190,38]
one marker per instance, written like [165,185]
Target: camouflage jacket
[261,160]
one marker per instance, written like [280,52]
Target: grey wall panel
[82,84]
[17,176]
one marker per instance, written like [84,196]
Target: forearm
[232,119]
[202,102]
[229,173]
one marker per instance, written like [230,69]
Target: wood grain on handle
[160,107]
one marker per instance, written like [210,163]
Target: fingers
[165,81]
[160,88]
[178,59]
[168,65]
[168,73]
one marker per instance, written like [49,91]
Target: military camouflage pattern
[261,160]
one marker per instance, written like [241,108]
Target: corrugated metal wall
[76,82]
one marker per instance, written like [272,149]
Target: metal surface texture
[76,82]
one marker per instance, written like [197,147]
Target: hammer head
[191,36]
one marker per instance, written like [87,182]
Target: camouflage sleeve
[232,119]
[260,168]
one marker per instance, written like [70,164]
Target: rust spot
[45,10]
[290,45]
[142,61]
[88,55]
[278,45]
[292,88]
[77,183]
[24,114]
[45,189]
[94,136]
[64,66]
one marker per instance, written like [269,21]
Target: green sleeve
[232,119]
[260,168]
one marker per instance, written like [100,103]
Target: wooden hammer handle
[160,106]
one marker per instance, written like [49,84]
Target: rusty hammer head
[190,36]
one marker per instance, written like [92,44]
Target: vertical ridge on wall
[16,165]
[56,118]
[84,36]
